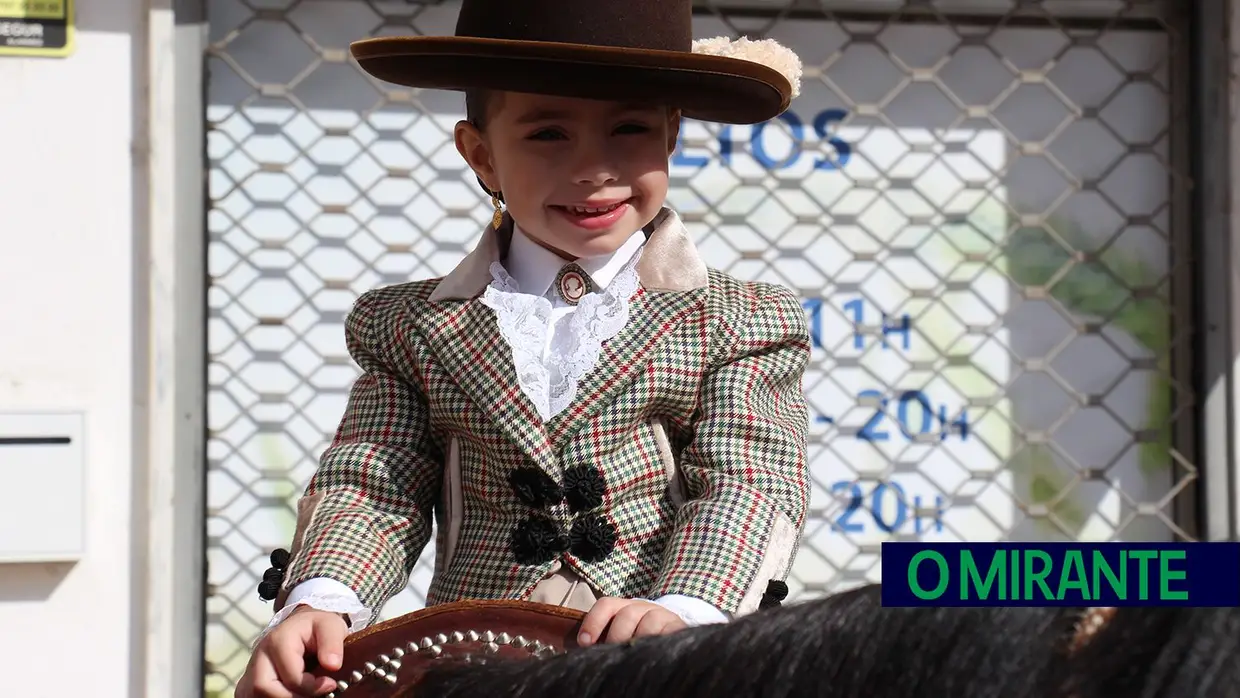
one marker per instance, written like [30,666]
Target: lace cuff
[692,611]
[355,613]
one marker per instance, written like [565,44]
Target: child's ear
[673,130]
[473,148]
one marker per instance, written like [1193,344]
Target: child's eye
[546,134]
[628,129]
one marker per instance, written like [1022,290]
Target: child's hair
[476,104]
[1162,653]
[845,646]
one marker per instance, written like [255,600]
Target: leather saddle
[392,656]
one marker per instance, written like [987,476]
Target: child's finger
[328,642]
[265,682]
[626,621]
[655,623]
[289,659]
[321,686]
[597,618]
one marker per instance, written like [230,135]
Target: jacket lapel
[464,336]
[654,318]
[673,286]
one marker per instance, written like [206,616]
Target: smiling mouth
[592,210]
[595,218]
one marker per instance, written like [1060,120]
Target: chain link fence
[981,202]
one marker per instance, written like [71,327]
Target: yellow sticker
[36,27]
[32,9]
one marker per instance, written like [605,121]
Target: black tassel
[269,588]
[534,488]
[584,488]
[776,592]
[537,540]
[593,538]
[280,558]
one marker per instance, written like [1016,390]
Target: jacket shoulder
[377,312]
[758,310]
[730,295]
[394,298]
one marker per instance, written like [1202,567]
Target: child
[592,417]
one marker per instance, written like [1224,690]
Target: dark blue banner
[1061,574]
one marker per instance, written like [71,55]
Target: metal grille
[982,211]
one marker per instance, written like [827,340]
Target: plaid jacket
[680,469]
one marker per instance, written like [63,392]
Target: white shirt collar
[534,267]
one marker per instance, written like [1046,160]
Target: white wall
[68,333]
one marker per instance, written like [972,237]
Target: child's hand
[278,667]
[629,618]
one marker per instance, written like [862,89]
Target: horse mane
[844,646]
[849,646]
[1161,653]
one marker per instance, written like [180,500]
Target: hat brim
[704,87]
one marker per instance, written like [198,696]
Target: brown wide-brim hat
[616,50]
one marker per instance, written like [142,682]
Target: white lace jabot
[554,344]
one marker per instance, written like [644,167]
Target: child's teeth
[581,209]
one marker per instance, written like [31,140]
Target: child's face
[578,176]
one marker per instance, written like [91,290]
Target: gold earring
[499,212]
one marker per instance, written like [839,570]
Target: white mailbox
[41,487]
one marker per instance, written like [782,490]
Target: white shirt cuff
[325,595]
[693,611]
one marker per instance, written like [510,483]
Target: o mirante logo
[1061,574]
